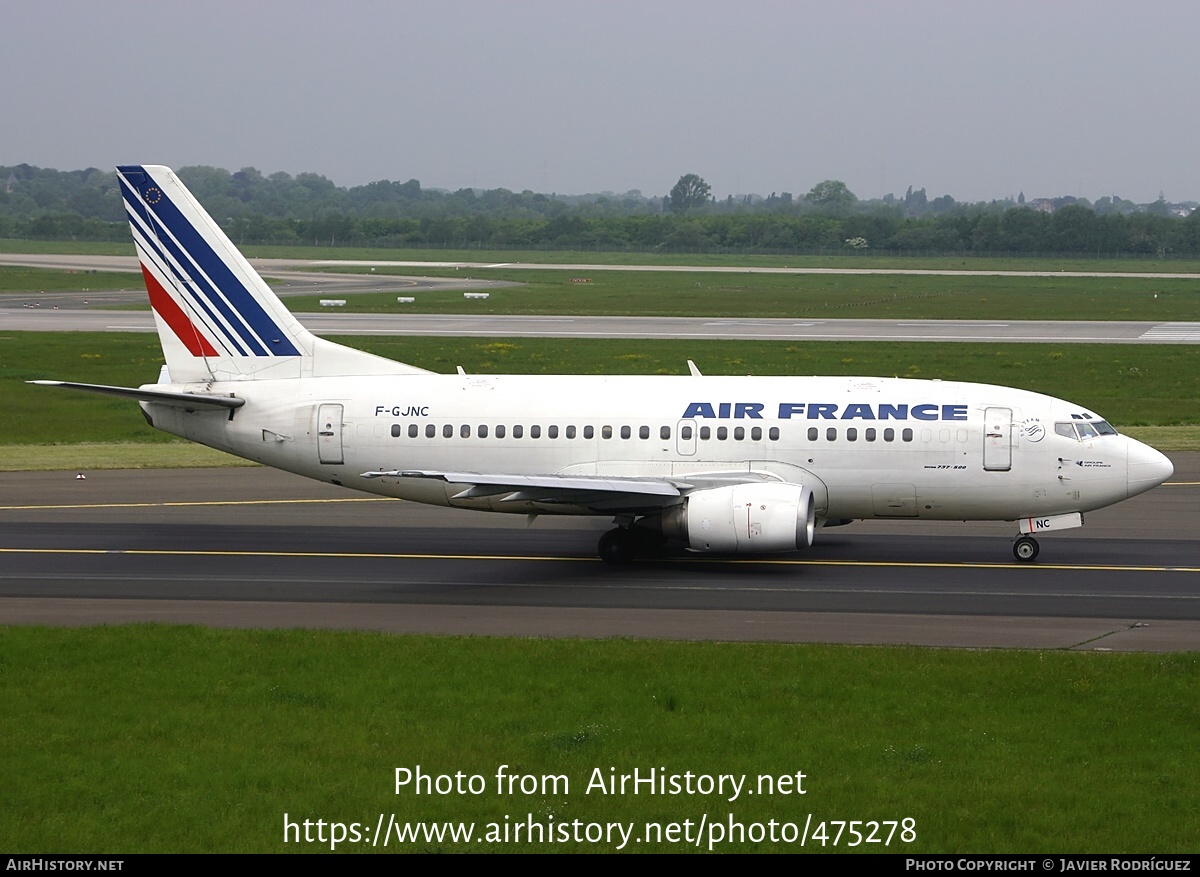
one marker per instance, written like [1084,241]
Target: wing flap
[517,483]
[595,493]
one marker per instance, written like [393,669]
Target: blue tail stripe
[201,295]
[209,320]
[201,288]
[243,312]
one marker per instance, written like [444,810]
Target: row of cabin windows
[588,432]
[723,433]
[869,434]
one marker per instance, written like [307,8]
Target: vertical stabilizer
[217,319]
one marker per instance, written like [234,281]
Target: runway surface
[255,547]
[699,328]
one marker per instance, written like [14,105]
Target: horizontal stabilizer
[179,400]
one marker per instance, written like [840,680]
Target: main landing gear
[1025,548]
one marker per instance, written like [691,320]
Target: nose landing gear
[1025,548]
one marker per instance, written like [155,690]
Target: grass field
[14,278]
[828,296]
[984,751]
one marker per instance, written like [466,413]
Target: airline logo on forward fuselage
[826,411]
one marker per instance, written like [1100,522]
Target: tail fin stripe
[163,267]
[185,330]
[153,241]
[224,290]
[212,277]
[178,267]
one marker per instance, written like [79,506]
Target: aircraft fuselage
[866,447]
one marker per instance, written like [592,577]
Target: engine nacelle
[744,518]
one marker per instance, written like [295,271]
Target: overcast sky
[978,100]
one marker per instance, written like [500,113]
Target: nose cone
[1147,467]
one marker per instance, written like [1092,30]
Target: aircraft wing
[179,400]
[598,493]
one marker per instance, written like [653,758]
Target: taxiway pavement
[259,548]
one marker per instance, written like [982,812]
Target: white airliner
[731,465]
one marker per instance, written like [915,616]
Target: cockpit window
[1082,430]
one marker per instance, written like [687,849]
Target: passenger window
[870,436]
[664,432]
[774,433]
[570,432]
[535,432]
[499,432]
[552,432]
[756,433]
[447,431]
[412,430]
[685,433]
[831,434]
[852,434]
[518,431]
[705,433]
[483,431]
[889,435]
[430,430]
[588,432]
[606,432]
[907,435]
[465,430]
[625,432]
[395,430]
[643,432]
[812,433]
[722,433]
[739,433]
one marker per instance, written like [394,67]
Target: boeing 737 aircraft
[731,465]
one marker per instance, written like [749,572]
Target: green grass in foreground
[114,455]
[987,752]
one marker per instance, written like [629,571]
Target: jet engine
[753,518]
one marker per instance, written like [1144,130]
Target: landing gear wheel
[1025,549]
[617,546]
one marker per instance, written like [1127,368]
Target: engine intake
[744,518]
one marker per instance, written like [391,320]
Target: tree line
[309,209]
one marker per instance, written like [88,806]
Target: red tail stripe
[181,324]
